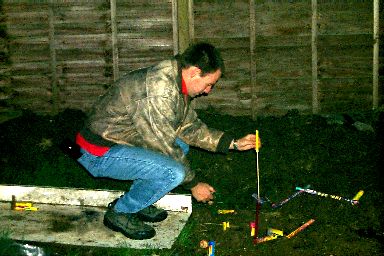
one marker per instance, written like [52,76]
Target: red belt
[89,147]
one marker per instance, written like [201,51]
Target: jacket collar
[179,80]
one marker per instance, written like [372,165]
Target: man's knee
[175,174]
[179,175]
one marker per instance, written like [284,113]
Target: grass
[329,154]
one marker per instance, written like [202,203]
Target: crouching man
[141,130]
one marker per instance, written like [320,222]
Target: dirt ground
[337,154]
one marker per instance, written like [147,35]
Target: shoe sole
[113,227]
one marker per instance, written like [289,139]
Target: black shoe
[152,214]
[149,214]
[128,224]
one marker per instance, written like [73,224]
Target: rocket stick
[277,205]
[257,142]
[257,164]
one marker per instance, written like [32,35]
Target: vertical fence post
[52,53]
[175,25]
[183,28]
[183,24]
[191,21]
[115,50]
[315,81]
[375,86]
[252,47]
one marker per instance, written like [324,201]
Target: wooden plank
[29,90]
[343,94]
[33,103]
[345,40]
[84,197]
[71,97]
[33,84]
[75,217]
[85,53]
[81,81]
[335,104]
[226,42]
[346,85]
[82,226]
[291,41]
[301,86]
[223,20]
[345,17]
[283,18]
[160,26]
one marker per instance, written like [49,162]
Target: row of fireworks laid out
[273,233]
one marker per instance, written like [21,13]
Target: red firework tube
[252,225]
[256,235]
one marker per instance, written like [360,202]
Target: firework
[314,192]
[301,228]
[277,205]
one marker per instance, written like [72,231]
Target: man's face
[203,84]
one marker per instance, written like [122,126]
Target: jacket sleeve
[197,133]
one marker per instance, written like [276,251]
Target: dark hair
[204,56]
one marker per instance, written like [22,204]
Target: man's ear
[195,71]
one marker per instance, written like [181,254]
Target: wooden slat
[375,62]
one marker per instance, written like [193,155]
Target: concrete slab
[75,217]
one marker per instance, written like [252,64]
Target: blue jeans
[153,174]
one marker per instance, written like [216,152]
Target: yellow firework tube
[225,225]
[358,195]
[23,204]
[225,211]
[257,145]
[276,232]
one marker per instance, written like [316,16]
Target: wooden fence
[318,56]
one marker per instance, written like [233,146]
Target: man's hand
[245,143]
[203,192]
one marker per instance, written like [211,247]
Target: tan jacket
[146,109]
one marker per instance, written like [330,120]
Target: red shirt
[89,147]
[184,89]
